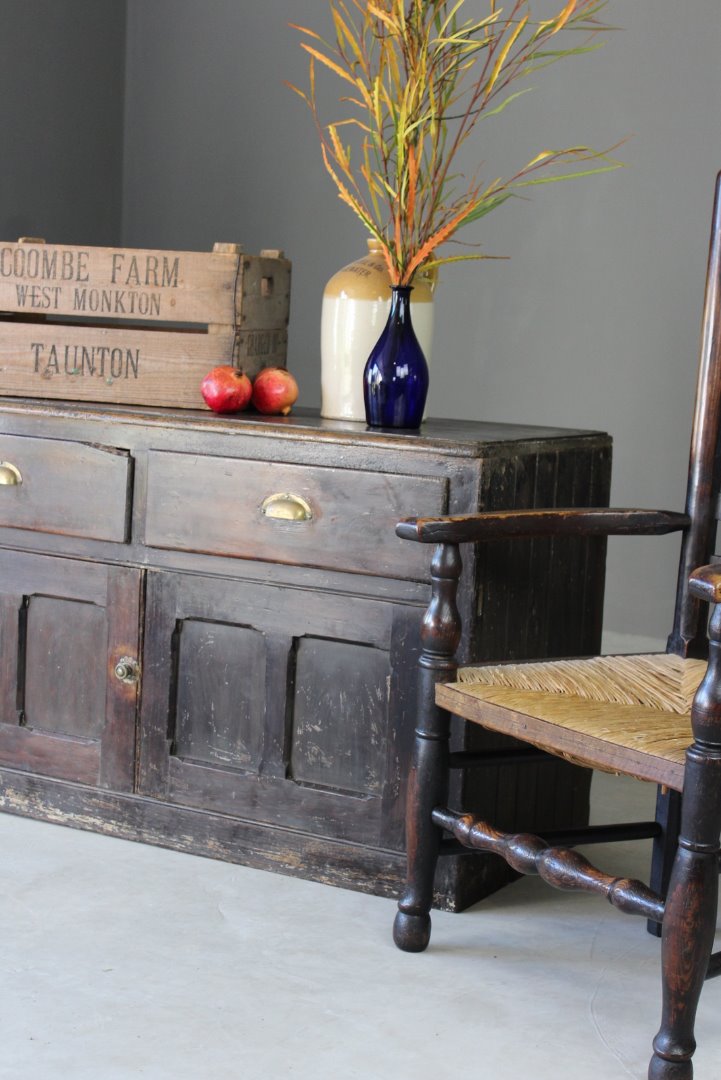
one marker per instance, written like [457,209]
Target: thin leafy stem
[417,79]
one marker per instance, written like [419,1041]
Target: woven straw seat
[627,714]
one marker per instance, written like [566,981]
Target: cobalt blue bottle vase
[395,381]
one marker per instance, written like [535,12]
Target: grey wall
[595,319]
[593,322]
[217,148]
[61,87]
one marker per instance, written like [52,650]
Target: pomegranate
[274,391]
[225,389]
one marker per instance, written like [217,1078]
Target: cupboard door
[65,626]
[270,704]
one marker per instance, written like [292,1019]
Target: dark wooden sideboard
[179,666]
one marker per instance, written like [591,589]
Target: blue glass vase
[395,380]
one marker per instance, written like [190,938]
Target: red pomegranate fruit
[274,391]
[225,389]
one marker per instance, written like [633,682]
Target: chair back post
[688,637]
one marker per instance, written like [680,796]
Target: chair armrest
[500,524]
[705,582]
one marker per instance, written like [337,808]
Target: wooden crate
[132,326]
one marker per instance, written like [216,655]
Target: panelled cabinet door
[69,643]
[272,704]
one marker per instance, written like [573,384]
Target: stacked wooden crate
[132,326]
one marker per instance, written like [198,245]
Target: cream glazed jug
[356,302]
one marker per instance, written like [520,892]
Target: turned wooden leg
[427,788]
[668,816]
[690,915]
[428,780]
[688,926]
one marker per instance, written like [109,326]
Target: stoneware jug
[356,303]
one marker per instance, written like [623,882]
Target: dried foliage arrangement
[418,78]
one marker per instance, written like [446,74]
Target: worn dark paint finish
[322,773]
[403,655]
[65,674]
[328,619]
[12,675]
[560,867]
[214,505]
[56,482]
[339,716]
[125,599]
[64,714]
[198,832]
[668,817]
[279,693]
[688,637]
[526,610]
[691,906]
[220,695]
[428,780]
[532,523]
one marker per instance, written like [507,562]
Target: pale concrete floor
[120,961]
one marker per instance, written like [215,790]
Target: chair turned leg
[690,914]
[427,788]
[428,780]
[688,932]
[668,816]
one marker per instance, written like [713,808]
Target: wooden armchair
[655,718]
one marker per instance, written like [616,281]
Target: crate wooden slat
[83,323]
[85,363]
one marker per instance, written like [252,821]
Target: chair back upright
[688,637]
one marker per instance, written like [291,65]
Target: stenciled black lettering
[116,363]
[6,262]
[116,265]
[171,273]
[70,364]
[52,367]
[151,270]
[32,263]
[102,354]
[87,361]
[133,277]
[50,264]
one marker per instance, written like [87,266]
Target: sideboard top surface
[457,438]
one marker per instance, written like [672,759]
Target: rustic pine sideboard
[208,627]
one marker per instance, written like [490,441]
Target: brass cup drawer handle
[286,507]
[10,474]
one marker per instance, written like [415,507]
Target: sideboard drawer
[72,488]
[345,518]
